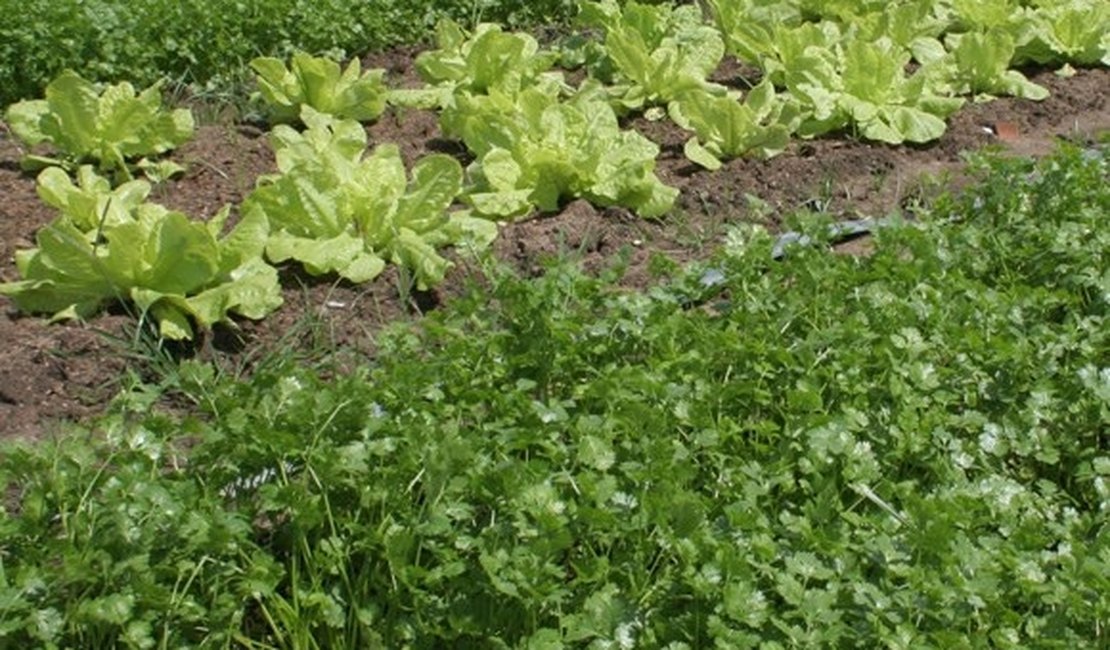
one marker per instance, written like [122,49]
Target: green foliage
[845,69]
[845,11]
[335,211]
[979,64]
[110,245]
[726,128]
[91,202]
[93,577]
[477,63]
[741,21]
[774,42]
[844,63]
[498,96]
[900,450]
[1070,31]
[207,43]
[916,26]
[534,151]
[319,83]
[984,15]
[864,84]
[656,53]
[111,127]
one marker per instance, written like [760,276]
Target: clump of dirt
[68,371]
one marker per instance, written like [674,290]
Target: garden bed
[54,372]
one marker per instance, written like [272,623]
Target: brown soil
[52,372]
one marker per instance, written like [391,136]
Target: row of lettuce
[535,138]
[902,451]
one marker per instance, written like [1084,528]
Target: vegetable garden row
[905,450]
[890,72]
[773,447]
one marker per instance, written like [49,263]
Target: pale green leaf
[25,119]
[436,181]
[501,204]
[63,274]
[112,127]
[73,121]
[410,250]
[252,290]
[700,155]
[344,254]
[245,242]
[177,255]
[318,83]
[91,203]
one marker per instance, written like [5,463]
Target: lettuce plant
[91,203]
[319,83]
[916,26]
[1073,31]
[771,38]
[334,210]
[979,64]
[726,128]
[535,151]
[982,15]
[175,270]
[117,129]
[656,52]
[477,63]
[843,11]
[864,85]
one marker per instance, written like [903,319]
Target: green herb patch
[905,450]
[208,42]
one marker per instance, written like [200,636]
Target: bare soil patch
[51,372]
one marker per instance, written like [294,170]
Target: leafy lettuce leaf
[319,83]
[864,85]
[1071,31]
[979,64]
[984,15]
[91,203]
[112,129]
[916,26]
[535,150]
[477,63]
[843,11]
[657,52]
[727,128]
[333,143]
[176,270]
[336,211]
[770,35]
